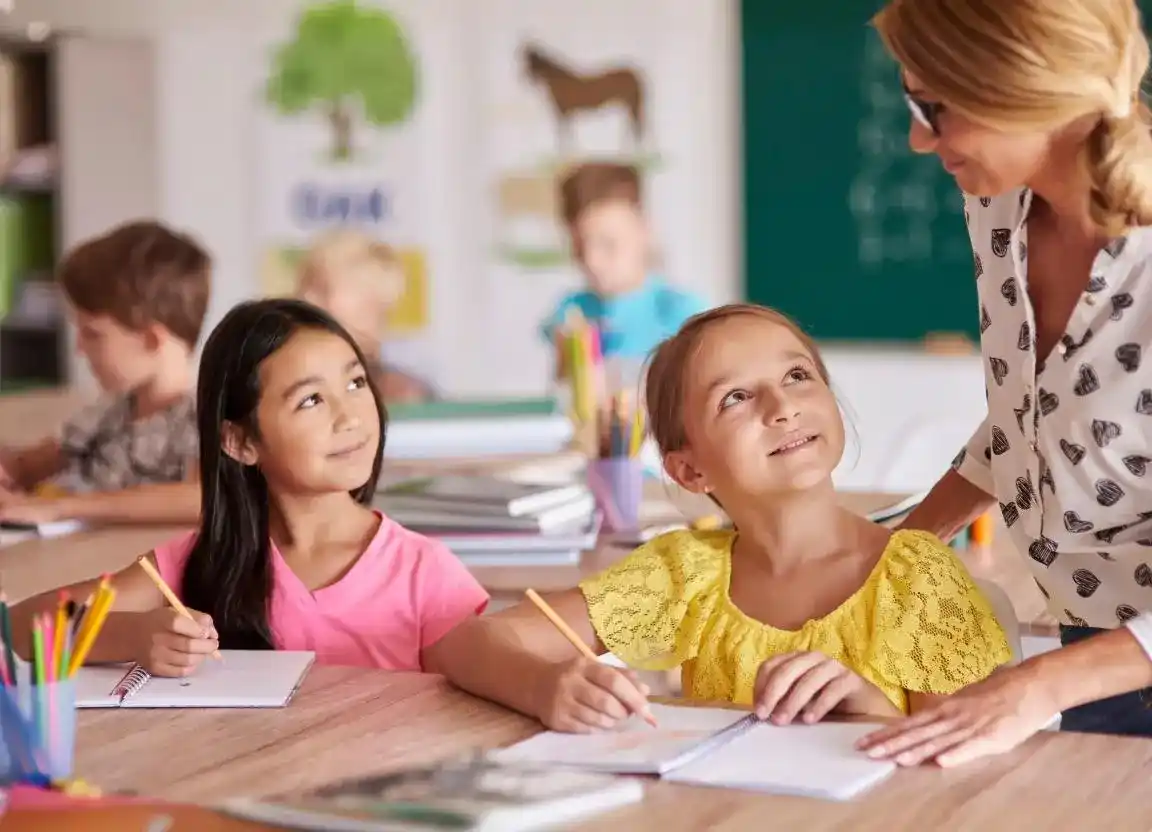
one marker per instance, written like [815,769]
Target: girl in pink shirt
[288,554]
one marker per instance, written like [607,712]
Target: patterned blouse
[918,623]
[1067,442]
[107,449]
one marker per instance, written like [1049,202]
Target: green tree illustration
[345,59]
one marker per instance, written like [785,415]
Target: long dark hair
[229,570]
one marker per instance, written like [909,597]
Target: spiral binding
[130,685]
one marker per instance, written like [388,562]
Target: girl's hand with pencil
[171,644]
[582,696]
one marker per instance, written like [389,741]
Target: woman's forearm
[1096,668]
[951,505]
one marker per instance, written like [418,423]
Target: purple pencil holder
[37,732]
[617,486]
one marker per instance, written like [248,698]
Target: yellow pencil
[98,612]
[167,592]
[90,609]
[58,635]
[637,433]
[568,633]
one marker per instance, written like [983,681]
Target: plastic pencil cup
[38,729]
[617,486]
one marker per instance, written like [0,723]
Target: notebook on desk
[718,747]
[238,679]
[55,528]
[469,795]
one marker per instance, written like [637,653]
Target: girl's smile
[794,441]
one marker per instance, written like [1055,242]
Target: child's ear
[235,443]
[154,335]
[680,467]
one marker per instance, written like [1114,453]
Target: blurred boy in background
[358,281]
[633,307]
[138,296]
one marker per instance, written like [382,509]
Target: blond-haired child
[358,280]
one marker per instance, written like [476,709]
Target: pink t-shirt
[404,593]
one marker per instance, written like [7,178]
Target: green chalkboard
[846,229]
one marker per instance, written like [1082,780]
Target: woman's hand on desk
[581,696]
[171,645]
[985,718]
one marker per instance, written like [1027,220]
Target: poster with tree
[346,63]
[341,146]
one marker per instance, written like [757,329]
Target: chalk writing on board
[893,197]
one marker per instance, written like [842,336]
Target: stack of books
[476,429]
[487,521]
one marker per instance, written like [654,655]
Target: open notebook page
[811,760]
[633,747]
[239,679]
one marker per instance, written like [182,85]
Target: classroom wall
[211,60]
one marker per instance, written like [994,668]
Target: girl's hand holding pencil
[172,644]
[583,695]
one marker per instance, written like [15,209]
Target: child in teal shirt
[633,309]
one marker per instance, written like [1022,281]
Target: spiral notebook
[718,747]
[238,679]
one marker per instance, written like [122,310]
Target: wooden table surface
[347,723]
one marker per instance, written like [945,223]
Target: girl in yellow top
[805,609]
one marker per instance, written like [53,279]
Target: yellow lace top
[917,624]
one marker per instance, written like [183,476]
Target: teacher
[1034,107]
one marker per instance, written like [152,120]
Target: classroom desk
[348,723]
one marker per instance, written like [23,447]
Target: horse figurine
[572,92]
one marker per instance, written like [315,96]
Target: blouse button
[1089,299]
[1062,348]
[1035,447]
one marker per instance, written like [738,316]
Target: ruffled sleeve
[651,608]
[935,632]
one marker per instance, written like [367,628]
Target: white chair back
[1006,614]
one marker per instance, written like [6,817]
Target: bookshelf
[32,329]
[78,155]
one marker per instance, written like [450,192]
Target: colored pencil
[58,632]
[99,613]
[78,613]
[102,589]
[6,634]
[39,720]
[568,633]
[65,660]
